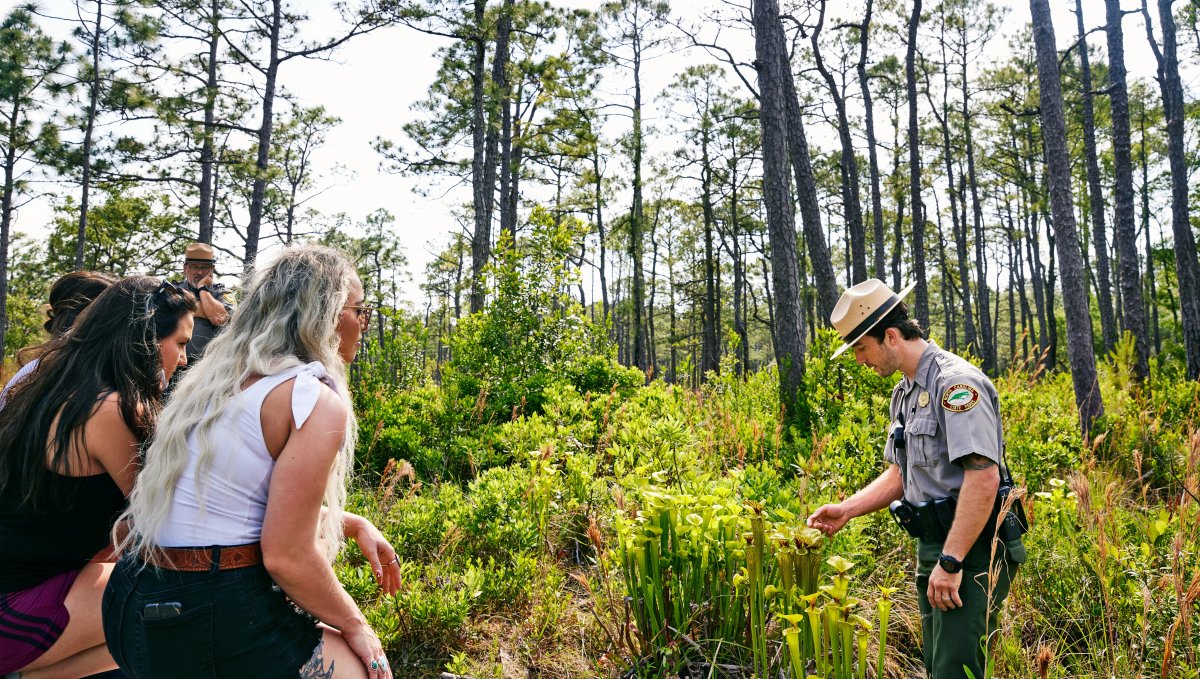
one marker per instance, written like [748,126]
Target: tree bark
[970,338]
[88,132]
[6,213]
[207,153]
[1058,177]
[1033,246]
[806,196]
[917,206]
[481,196]
[1129,276]
[987,344]
[1152,285]
[266,128]
[872,152]
[601,236]
[1108,322]
[1186,267]
[708,344]
[504,105]
[640,359]
[851,201]
[771,52]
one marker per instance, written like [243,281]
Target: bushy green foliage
[391,358]
[1041,429]
[533,333]
[437,429]
[525,523]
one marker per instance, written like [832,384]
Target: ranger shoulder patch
[959,398]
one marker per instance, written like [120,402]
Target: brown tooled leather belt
[202,559]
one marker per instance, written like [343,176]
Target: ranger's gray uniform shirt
[203,330]
[960,415]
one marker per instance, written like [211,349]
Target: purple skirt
[31,620]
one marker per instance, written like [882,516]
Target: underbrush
[520,540]
[554,516]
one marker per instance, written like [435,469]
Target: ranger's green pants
[954,640]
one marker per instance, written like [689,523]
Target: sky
[372,82]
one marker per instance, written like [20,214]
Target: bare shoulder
[110,444]
[106,418]
[278,424]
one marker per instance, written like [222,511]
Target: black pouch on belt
[932,527]
[1013,523]
[943,509]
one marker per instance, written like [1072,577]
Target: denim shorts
[232,623]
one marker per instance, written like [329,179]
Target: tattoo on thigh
[315,667]
[977,463]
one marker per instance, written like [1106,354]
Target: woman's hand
[380,554]
[366,645]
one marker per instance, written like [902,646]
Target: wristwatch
[949,563]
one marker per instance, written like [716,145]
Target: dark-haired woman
[70,437]
[69,296]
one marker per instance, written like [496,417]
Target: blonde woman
[237,513]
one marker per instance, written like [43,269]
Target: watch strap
[955,565]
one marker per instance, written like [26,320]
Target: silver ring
[393,561]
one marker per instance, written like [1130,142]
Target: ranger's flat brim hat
[862,306]
[200,252]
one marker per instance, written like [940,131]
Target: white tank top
[235,491]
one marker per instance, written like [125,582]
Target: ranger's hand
[943,589]
[829,519]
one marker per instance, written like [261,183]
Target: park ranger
[945,454]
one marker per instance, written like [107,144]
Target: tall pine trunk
[1058,178]
[640,359]
[851,201]
[207,152]
[1186,267]
[987,338]
[598,189]
[1151,285]
[504,107]
[1108,321]
[771,52]
[872,152]
[1129,276]
[917,206]
[7,208]
[708,345]
[266,127]
[88,141]
[481,191]
[970,339]
[806,196]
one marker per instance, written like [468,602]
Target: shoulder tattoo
[316,667]
[977,462]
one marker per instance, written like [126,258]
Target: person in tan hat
[199,269]
[945,472]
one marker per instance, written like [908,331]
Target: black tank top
[36,544]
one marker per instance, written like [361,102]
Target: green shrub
[532,333]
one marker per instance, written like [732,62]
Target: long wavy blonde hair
[287,318]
